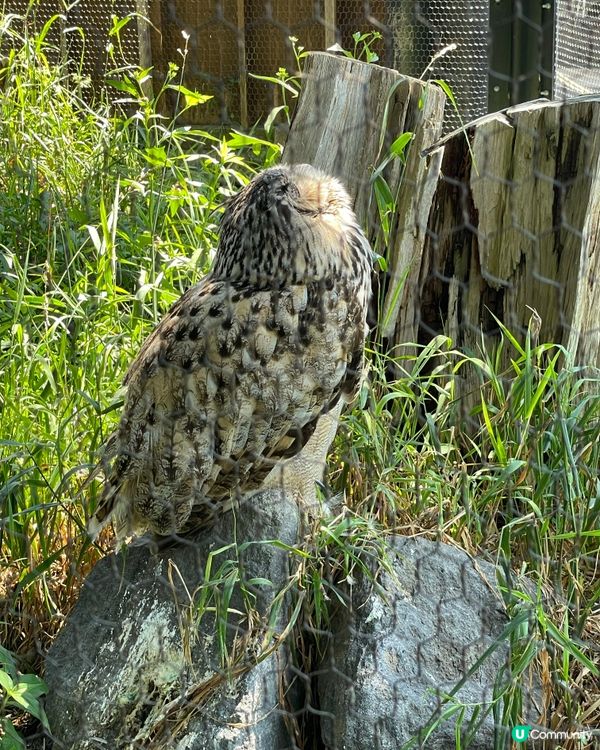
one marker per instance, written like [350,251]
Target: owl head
[290,224]
[299,186]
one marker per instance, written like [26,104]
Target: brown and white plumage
[236,376]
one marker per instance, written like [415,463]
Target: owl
[240,385]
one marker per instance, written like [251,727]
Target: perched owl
[236,377]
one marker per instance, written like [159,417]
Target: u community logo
[521,732]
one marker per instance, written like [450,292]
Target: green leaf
[12,740]
[41,37]
[549,372]
[192,98]
[398,147]
[273,114]
[118,24]
[126,86]
[6,682]
[278,82]
[495,440]
[30,704]
[36,687]
[446,89]
[383,193]
[241,140]
[96,240]
[571,647]
[157,156]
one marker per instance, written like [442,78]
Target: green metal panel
[521,50]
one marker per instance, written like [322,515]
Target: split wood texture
[513,229]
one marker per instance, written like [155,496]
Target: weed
[288,85]
[21,692]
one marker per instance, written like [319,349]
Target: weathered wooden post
[514,226]
[348,115]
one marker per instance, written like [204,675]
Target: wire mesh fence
[576,55]
[317,516]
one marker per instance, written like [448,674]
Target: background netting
[577,48]
[506,52]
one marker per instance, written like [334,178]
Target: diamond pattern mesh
[577,48]
[421,30]
[346,681]
[229,41]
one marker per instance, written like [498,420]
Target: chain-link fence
[228,43]
[316,517]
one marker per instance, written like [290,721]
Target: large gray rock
[392,659]
[133,668]
[120,665]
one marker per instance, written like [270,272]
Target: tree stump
[514,226]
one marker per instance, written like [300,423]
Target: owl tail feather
[106,506]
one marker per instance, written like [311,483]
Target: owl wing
[231,382]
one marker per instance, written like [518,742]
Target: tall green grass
[107,213]
[522,489]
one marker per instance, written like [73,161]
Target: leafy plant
[288,86]
[288,83]
[363,46]
[337,550]
[19,694]
[385,199]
